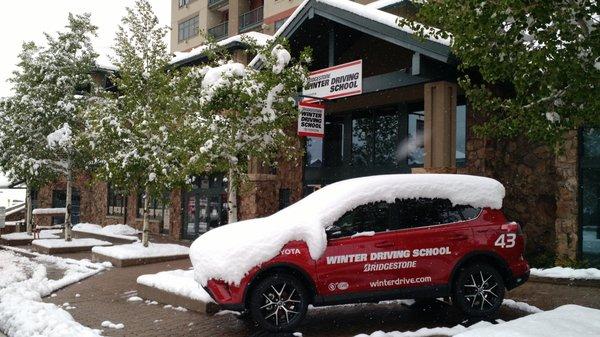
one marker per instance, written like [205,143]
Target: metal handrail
[219,31]
[217,3]
[251,18]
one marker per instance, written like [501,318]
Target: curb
[566,281]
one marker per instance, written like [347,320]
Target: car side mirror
[333,232]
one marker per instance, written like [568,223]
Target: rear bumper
[517,281]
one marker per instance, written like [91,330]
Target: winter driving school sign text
[335,82]
[311,121]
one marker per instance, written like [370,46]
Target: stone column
[440,125]
[567,210]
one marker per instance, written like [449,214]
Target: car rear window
[421,212]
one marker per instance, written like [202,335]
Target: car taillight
[512,227]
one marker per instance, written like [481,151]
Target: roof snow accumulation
[229,252]
[260,38]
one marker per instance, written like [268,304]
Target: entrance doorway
[205,206]
[590,195]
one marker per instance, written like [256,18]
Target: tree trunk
[68,204]
[146,226]
[28,206]
[232,198]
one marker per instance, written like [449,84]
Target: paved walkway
[104,297]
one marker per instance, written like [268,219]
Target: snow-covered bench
[47,212]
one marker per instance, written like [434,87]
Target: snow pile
[111,325]
[229,252]
[52,243]
[565,321]
[116,231]
[426,332]
[60,138]
[44,234]
[179,282]
[521,306]
[135,299]
[567,273]
[22,312]
[137,250]
[48,211]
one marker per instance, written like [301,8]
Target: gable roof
[370,20]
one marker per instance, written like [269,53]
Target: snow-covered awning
[230,42]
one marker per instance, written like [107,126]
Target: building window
[461,135]
[189,28]
[183,3]
[414,147]
[362,130]
[117,202]
[156,207]
[279,23]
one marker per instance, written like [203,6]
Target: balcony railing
[251,19]
[214,4]
[219,31]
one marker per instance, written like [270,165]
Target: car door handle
[459,237]
[384,244]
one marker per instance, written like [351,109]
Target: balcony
[216,4]
[219,31]
[251,19]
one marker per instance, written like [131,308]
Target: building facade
[410,117]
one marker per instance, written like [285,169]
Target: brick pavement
[104,297]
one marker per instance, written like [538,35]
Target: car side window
[421,212]
[374,216]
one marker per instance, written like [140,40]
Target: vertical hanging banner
[338,81]
[311,121]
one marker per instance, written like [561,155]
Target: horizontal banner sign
[311,121]
[334,82]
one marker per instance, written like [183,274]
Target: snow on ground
[44,234]
[23,283]
[111,325]
[85,242]
[229,252]
[522,306]
[180,282]
[565,321]
[137,250]
[115,231]
[568,273]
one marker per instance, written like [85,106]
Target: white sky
[27,21]
[22,20]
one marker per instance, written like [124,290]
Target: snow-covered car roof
[229,252]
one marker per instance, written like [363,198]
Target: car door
[352,240]
[435,234]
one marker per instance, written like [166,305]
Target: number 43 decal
[506,240]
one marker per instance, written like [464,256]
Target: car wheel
[278,303]
[478,290]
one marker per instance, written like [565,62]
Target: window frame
[111,196]
[187,25]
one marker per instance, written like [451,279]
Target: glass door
[590,196]
[205,206]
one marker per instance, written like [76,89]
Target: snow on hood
[227,253]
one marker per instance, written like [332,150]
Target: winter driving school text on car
[366,240]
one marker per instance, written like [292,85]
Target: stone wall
[567,210]
[541,188]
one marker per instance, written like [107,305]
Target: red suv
[413,248]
